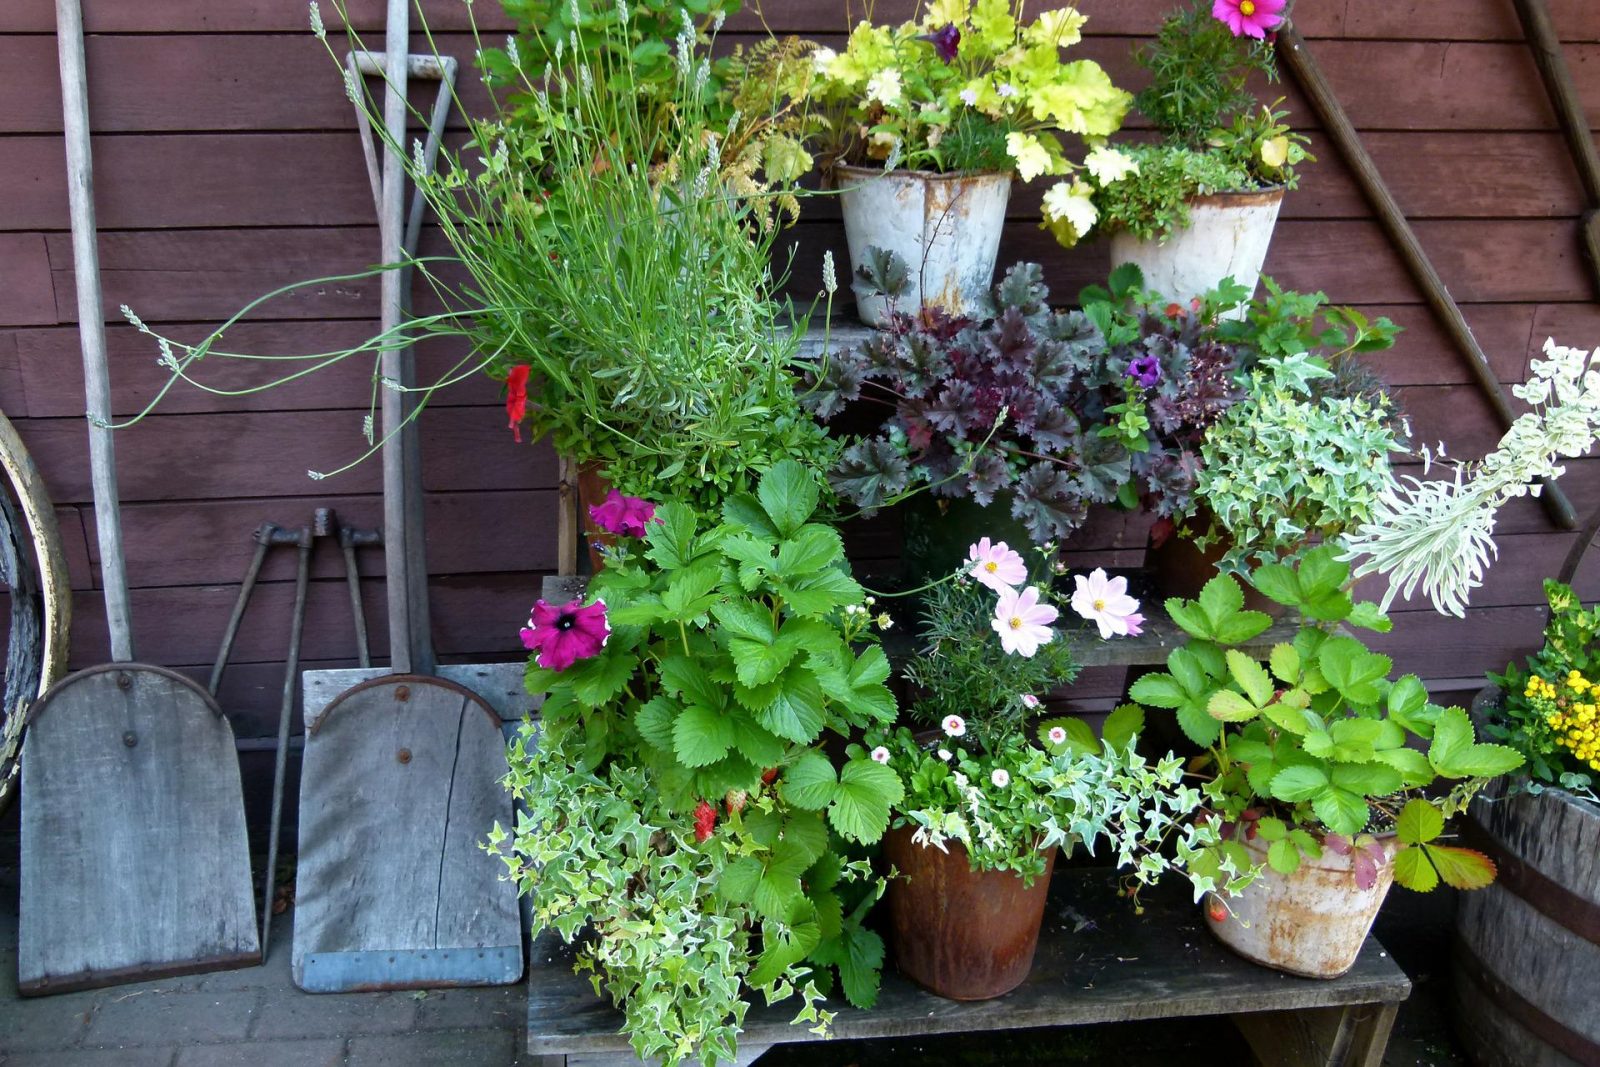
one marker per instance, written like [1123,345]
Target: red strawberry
[1215,911]
[769,776]
[705,820]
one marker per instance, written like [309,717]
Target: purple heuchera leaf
[990,474]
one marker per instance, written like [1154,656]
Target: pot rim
[1387,839]
[921,175]
[1270,194]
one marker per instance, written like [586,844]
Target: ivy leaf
[789,493]
[811,783]
[861,802]
[701,736]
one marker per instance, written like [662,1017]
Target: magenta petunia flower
[625,515]
[1249,18]
[563,635]
[946,42]
[997,565]
[1022,622]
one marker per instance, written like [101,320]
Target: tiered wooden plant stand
[1119,967]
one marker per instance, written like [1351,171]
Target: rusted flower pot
[1182,570]
[960,933]
[946,227]
[1227,237]
[1312,922]
[592,489]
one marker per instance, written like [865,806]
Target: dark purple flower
[946,42]
[563,635]
[625,515]
[1146,370]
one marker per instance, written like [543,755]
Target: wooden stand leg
[1354,1036]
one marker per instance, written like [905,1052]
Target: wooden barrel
[1527,952]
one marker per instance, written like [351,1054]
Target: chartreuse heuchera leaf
[680,794]
[1319,740]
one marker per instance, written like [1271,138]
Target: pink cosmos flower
[625,515]
[880,755]
[1029,701]
[954,726]
[1249,18]
[1022,622]
[1135,624]
[563,635]
[997,565]
[1105,601]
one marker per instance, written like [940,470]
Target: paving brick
[500,1007]
[293,1014]
[102,1057]
[43,1024]
[179,1018]
[325,1053]
[458,1048]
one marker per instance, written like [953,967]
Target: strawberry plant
[1318,747]
[678,801]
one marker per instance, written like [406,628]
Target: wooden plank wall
[227,165]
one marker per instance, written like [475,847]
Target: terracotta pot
[946,227]
[1227,236]
[960,933]
[592,489]
[1312,922]
[1180,569]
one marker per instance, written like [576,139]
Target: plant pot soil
[945,226]
[1227,236]
[1311,923]
[960,933]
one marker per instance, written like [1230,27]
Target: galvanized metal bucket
[1227,236]
[960,933]
[945,226]
[1312,922]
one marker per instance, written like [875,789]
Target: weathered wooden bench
[1098,962]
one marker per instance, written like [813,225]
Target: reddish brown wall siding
[227,164]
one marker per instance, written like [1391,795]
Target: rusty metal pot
[1227,237]
[945,226]
[1312,922]
[960,933]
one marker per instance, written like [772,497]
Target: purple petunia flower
[1146,370]
[563,635]
[946,42]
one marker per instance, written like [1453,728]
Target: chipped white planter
[1227,236]
[945,226]
[1312,922]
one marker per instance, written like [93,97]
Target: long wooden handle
[1337,125]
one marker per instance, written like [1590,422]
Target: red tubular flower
[705,821]
[517,398]
[563,635]
[624,515]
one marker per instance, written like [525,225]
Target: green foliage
[683,766]
[1198,74]
[1285,467]
[1155,201]
[1543,706]
[1319,740]
[961,668]
[1008,806]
